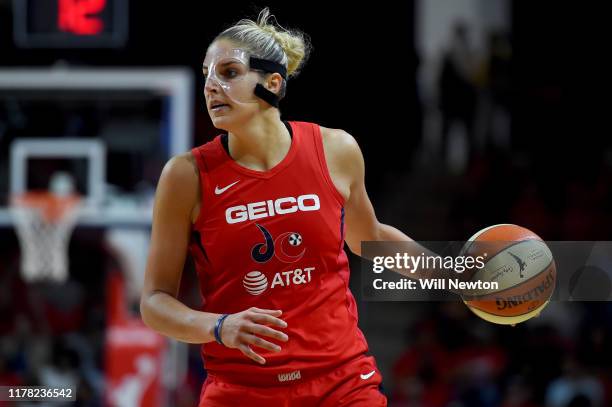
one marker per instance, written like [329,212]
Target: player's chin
[221,120]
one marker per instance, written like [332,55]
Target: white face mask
[230,71]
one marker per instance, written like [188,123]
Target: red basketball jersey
[275,239]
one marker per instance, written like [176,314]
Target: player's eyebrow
[221,64]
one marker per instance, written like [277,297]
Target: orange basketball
[520,263]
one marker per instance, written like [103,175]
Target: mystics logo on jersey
[287,248]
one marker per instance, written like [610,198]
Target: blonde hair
[267,39]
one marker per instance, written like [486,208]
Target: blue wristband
[218,326]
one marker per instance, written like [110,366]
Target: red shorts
[355,383]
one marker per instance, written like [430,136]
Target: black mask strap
[270,67]
[263,93]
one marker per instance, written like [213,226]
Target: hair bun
[294,43]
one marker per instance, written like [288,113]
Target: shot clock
[70,23]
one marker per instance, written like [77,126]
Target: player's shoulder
[181,169]
[339,143]
[178,188]
[181,162]
[333,138]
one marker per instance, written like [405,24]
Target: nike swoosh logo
[219,191]
[368,375]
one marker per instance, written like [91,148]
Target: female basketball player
[265,210]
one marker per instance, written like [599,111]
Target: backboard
[138,118]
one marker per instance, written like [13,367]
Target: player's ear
[274,83]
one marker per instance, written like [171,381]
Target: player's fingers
[268,319]
[275,312]
[267,331]
[261,343]
[248,352]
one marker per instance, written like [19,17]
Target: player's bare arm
[347,170]
[177,196]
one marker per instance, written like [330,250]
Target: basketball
[521,264]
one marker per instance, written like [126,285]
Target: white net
[44,224]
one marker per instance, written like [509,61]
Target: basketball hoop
[44,222]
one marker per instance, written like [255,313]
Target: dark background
[553,178]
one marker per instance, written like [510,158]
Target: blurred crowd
[53,334]
[455,359]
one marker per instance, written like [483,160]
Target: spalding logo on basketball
[522,265]
[255,282]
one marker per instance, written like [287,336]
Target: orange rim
[53,208]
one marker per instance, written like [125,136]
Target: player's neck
[262,143]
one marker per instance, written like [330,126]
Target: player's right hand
[243,329]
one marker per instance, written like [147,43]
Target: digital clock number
[80,16]
[70,23]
